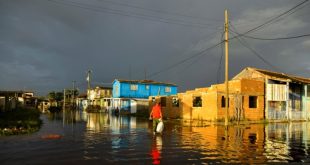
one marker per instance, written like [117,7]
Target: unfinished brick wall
[211,108]
[168,109]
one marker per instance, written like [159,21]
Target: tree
[57,96]
[51,95]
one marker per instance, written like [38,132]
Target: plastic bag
[160,127]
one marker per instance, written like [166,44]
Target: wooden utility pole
[64,105]
[226,68]
[73,93]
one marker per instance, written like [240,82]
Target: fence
[277,115]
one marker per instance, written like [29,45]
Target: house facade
[132,95]
[287,97]
[99,96]
[12,99]
[246,98]
[142,89]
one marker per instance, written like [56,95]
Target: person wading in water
[156,115]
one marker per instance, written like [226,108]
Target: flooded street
[100,138]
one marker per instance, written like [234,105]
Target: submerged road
[74,137]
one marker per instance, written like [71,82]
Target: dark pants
[155,122]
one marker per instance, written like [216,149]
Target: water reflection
[255,143]
[156,149]
[103,138]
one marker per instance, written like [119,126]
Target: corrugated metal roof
[145,82]
[282,75]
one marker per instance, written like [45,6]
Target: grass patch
[19,121]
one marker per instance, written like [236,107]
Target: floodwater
[100,138]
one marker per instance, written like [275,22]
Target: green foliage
[58,96]
[19,121]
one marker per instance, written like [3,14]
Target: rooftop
[281,75]
[145,82]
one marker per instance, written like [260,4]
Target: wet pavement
[100,138]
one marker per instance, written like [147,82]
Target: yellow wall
[211,109]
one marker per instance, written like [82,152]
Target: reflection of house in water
[114,124]
[282,139]
[240,144]
[131,96]
[254,94]
[97,121]
[250,144]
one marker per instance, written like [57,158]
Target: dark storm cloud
[45,45]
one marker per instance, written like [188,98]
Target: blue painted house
[142,89]
[128,95]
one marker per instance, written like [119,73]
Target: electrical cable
[279,38]
[245,44]
[273,19]
[159,11]
[132,14]
[184,60]
[237,36]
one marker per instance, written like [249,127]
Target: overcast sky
[47,44]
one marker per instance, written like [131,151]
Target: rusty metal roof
[282,75]
[145,82]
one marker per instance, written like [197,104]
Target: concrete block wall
[211,109]
[169,110]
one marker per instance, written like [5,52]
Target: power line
[273,19]
[237,36]
[245,44]
[159,11]
[132,14]
[279,38]
[186,59]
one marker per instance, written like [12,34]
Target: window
[175,102]
[153,99]
[147,87]
[252,101]
[163,101]
[168,89]
[133,87]
[223,102]
[197,102]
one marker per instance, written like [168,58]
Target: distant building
[12,99]
[132,95]
[100,96]
[142,89]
